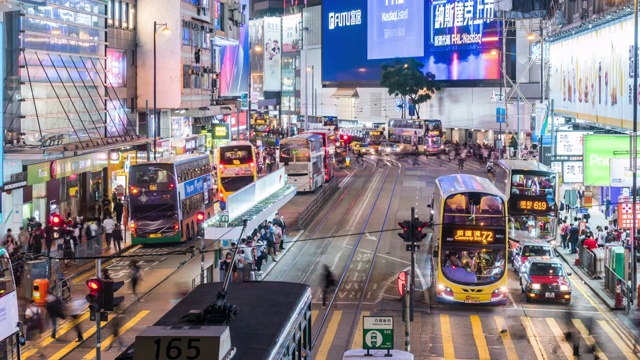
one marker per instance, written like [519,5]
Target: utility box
[40,290]
[617,261]
[36,269]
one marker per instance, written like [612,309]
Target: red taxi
[545,279]
[529,249]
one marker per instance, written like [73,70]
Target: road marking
[92,272]
[512,354]
[357,337]
[623,332]
[478,335]
[382,255]
[562,340]
[626,350]
[533,338]
[73,345]
[108,341]
[513,302]
[48,340]
[323,351]
[447,338]
[588,339]
[314,315]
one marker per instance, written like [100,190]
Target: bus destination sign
[532,205]
[480,236]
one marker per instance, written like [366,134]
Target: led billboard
[453,38]
[234,72]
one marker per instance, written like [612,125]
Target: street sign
[378,332]
[501,112]
[409,247]
[583,211]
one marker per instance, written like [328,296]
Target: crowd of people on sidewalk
[254,250]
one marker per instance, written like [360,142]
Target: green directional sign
[378,332]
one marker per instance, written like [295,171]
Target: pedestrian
[33,317]
[108,225]
[106,275]
[118,208]
[55,310]
[245,260]
[607,207]
[261,255]
[116,324]
[23,239]
[75,308]
[117,238]
[564,233]
[328,282]
[225,266]
[36,239]
[573,237]
[135,273]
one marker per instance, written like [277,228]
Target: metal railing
[208,277]
[611,280]
[309,213]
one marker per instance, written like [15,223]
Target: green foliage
[513,142]
[406,79]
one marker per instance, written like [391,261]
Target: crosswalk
[67,345]
[488,336]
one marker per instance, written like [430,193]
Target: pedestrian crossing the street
[487,336]
[422,162]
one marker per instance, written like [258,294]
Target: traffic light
[94,298]
[200,217]
[417,228]
[405,234]
[109,301]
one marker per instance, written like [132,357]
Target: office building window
[186,36]
[132,17]
[186,76]
[125,15]
[110,13]
[116,14]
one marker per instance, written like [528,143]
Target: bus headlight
[535,286]
[441,287]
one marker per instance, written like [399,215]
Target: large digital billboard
[234,72]
[455,39]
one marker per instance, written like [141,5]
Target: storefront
[188,145]
[73,185]
[119,163]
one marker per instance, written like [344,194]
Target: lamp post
[165,30]
[634,150]
[306,95]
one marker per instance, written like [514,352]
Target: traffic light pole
[413,265]
[98,275]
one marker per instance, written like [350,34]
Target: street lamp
[165,30]
[306,94]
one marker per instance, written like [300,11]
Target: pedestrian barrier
[587,261]
[309,213]
[611,281]
[208,277]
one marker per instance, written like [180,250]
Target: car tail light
[176,226]
[132,227]
[252,164]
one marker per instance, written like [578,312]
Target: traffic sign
[378,332]
[501,111]
[583,211]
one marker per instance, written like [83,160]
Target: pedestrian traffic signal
[56,220]
[200,217]
[417,228]
[405,234]
[109,301]
[94,298]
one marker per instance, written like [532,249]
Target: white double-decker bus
[303,159]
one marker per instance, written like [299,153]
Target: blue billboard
[455,39]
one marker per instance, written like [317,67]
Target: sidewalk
[596,285]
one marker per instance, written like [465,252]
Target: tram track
[352,273]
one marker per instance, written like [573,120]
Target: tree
[407,80]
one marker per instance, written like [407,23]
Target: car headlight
[535,286]
[565,288]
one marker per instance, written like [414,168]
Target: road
[352,235]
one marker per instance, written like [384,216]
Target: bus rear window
[152,176]
[236,156]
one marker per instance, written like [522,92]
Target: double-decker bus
[166,196]
[9,305]
[329,141]
[532,190]
[260,125]
[374,138]
[407,133]
[303,159]
[470,239]
[236,168]
[433,137]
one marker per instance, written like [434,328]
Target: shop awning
[345,93]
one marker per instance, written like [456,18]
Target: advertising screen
[256,42]
[453,38]
[234,72]
[598,150]
[272,53]
[597,85]
[116,68]
[291,33]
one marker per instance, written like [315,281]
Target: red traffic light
[56,220]
[94,285]
[403,225]
[402,280]
[200,217]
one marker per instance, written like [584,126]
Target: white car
[388,148]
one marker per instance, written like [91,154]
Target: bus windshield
[474,209]
[473,265]
[292,153]
[261,127]
[532,227]
[236,155]
[434,142]
[532,184]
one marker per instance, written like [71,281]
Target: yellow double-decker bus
[236,168]
[470,241]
